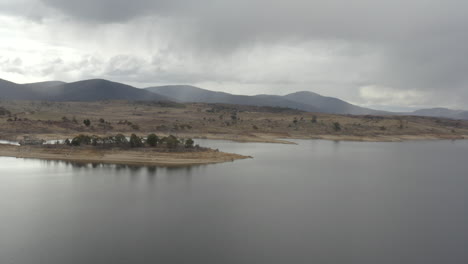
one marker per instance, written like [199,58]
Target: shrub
[3,111]
[189,143]
[171,141]
[152,140]
[120,139]
[314,119]
[337,126]
[87,122]
[135,141]
[81,140]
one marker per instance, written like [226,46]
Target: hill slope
[98,89]
[88,90]
[14,91]
[331,104]
[441,112]
[186,93]
[306,101]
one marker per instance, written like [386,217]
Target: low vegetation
[121,141]
[52,120]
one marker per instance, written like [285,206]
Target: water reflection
[316,202]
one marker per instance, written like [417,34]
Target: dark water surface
[316,202]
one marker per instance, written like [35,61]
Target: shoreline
[142,157]
[277,138]
[284,138]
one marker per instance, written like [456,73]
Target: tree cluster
[134,141]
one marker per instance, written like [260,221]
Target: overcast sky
[369,52]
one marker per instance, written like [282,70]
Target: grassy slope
[214,121]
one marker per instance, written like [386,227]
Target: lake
[315,202]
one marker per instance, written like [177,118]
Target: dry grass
[45,119]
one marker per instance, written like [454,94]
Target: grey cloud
[420,43]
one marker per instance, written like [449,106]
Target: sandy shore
[128,157]
[278,138]
[385,138]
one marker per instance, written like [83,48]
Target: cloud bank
[368,52]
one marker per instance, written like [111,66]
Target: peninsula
[166,151]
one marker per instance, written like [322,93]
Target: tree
[3,111]
[152,140]
[337,126]
[135,141]
[189,143]
[75,142]
[81,140]
[95,140]
[120,139]
[314,119]
[87,122]
[67,142]
[171,141]
[234,116]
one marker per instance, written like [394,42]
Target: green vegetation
[337,126]
[87,122]
[4,112]
[189,143]
[314,119]
[120,141]
[152,140]
[136,141]
[170,141]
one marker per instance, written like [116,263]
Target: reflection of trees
[135,171]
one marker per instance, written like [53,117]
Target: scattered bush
[152,140]
[87,122]
[189,143]
[337,126]
[314,119]
[4,112]
[120,139]
[170,141]
[135,141]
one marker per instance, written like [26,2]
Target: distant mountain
[441,112]
[88,90]
[186,93]
[331,104]
[13,91]
[306,101]
[99,89]
[45,87]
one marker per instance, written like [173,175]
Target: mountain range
[306,101]
[99,89]
[87,90]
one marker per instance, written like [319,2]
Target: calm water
[316,202]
